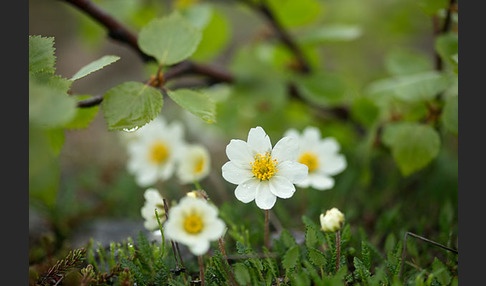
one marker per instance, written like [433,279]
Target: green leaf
[365,111]
[170,39]
[447,46]
[316,257]
[195,102]
[94,66]
[44,170]
[410,88]
[198,15]
[41,54]
[322,88]
[292,13]
[403,62]
[49,106]
[432,7]
[440,272]
[361,269]
[214,37]
[321,34]
[131,105]
[291,258]
[242,275]
[413,145]
[450,114]
[84,116]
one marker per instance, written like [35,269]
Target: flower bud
[332,221]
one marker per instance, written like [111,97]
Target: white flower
[332,221]
[154,151]
[194,164]
[262,173]
[320,155]
[153,200]
[195,223]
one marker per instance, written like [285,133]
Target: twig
[281,33]
[421,238]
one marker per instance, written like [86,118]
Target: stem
[197,185]
[175,246]
[201,269]
[338,248]
[267,213]
[421,238]
[223,251]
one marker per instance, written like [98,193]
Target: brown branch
[282,34]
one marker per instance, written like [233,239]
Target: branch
[281,33]
[120,33]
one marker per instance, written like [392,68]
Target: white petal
[152,195]
[321,182]
[199,248]
[311,134]
[264,198]
[332,165]
[246,191]
[235,174]
[292,133]
[146,177]
[258,141]
[329,145]
[215,229]
[281,187]
[295,172]
[237,151]
[286,148]
[305,183]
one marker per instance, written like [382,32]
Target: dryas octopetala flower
[195,223]
[262,173]
[154,151]
[194,164]
[153,201]
[321,157]
[332,221]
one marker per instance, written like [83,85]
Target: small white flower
[262,173]
[195,223]
[332,221]
[194,164]
[153,201]
[321,157]
[154,151]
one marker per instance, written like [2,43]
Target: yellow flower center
[159,152]
[310,160]
[264,167]
[193,224]
[198,167]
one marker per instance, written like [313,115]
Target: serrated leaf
[316,257]
[311,237]
[170,39]
[291,258]
[413,145]
[441,272]
[365,111]
[361,269]
[41,54]
[321,34]
[131,105]
[287,239]
[94,66]
[198,15]
[450,114]
[195,102]
[49,106]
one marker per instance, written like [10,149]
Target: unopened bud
[332,221]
